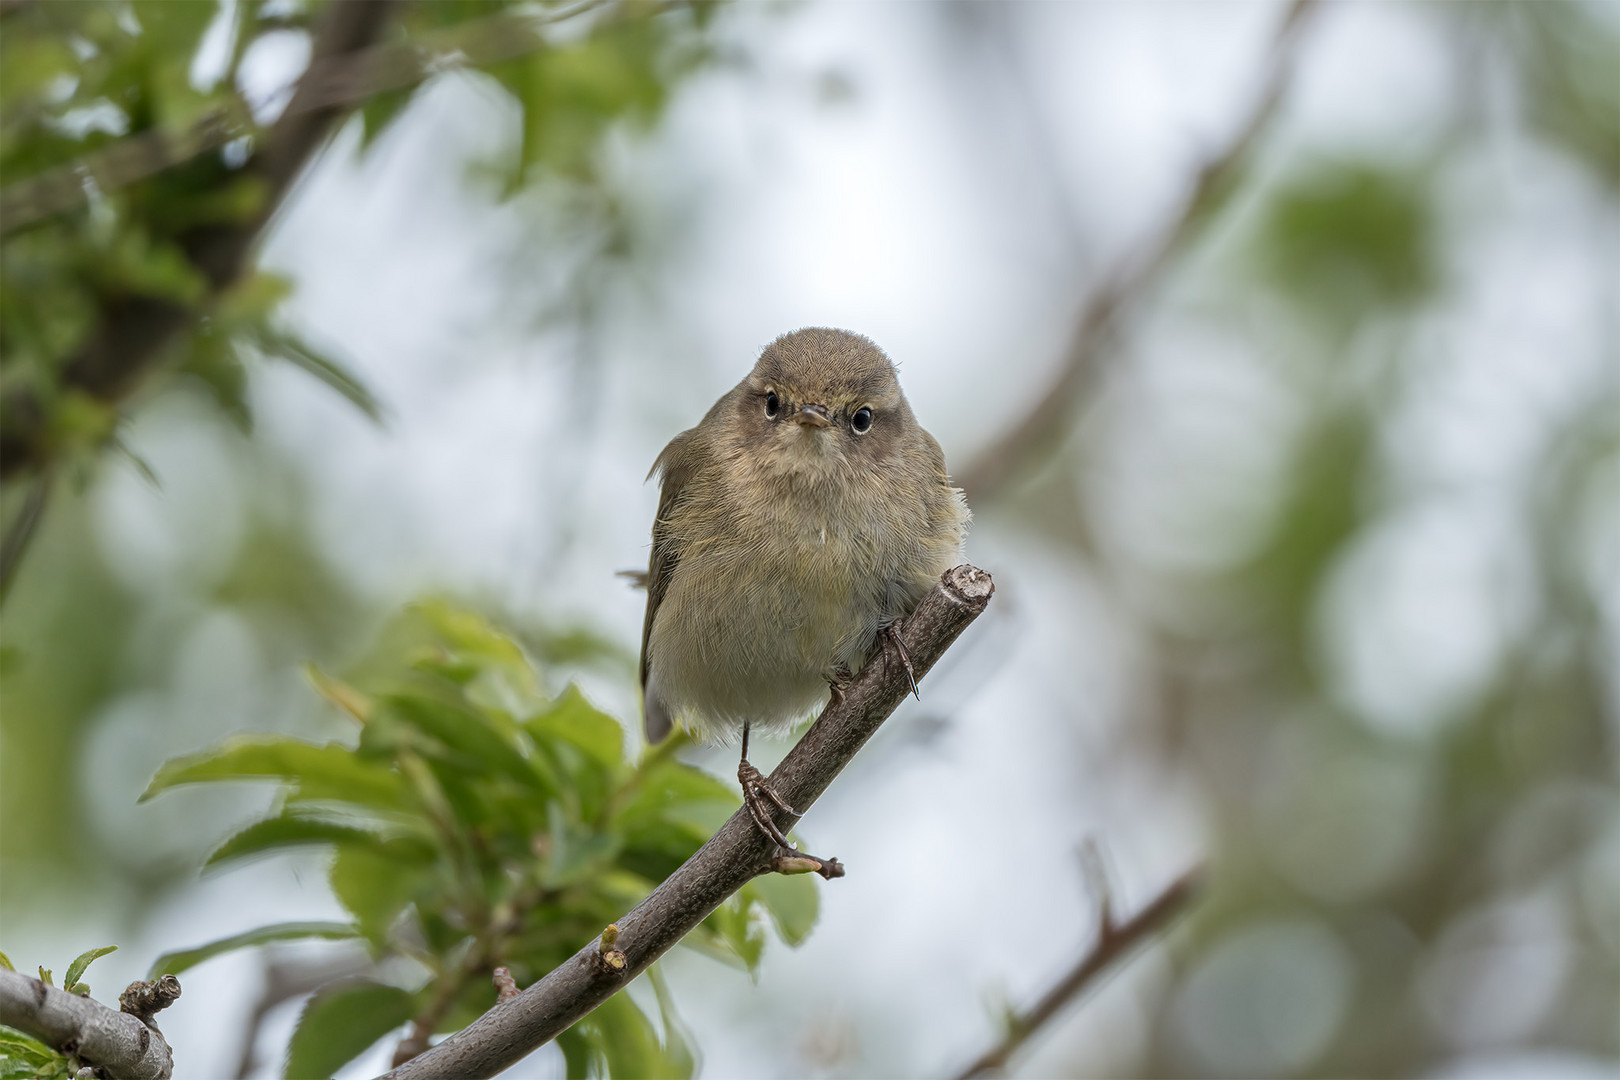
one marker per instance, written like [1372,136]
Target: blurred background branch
[1113,941]
[1042,426]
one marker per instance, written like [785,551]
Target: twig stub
[143,1000]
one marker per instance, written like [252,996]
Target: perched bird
[806,514]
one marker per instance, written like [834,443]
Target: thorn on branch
[506,987]
[143,1000]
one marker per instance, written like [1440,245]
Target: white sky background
[918,213]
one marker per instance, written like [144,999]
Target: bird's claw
[838,681]
[758,796]
[891,637]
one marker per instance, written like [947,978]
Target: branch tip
[143,1000]
[796,862]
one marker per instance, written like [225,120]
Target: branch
[735,854]
[121,1044]
[1114,940]
[1026,442]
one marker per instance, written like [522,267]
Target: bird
[803,517]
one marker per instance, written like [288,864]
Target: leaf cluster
[133,169]
[478,821]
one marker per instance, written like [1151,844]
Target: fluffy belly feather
[764,654]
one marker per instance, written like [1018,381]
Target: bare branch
[118,1043]
[1114,940]
[1041,428]
[735,854]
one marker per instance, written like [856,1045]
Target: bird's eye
[862,420]
[773,405]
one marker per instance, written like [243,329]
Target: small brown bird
[804,515]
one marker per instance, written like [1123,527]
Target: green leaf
[678,1049]
[326,771]
[45,975]
[733,935]
[575,856]
[23,1057]
[83,961]
[302,355]
[295,828]
[793,902]
[465,731]
[576,1051]
[374,889]
[378,112]
[342,1022]
[5,962]
[621,1042]
[175,962]
[340,693]
[574,720]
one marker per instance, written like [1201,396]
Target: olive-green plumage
[806,511]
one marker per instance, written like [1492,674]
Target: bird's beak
[812,416]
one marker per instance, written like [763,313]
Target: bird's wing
[675,466]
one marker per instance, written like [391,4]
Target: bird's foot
[759,797]
[891,639]
[838,681]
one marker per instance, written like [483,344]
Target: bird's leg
[838,680]
[891,638]
[759,796]
[756,790]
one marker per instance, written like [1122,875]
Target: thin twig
[1114,940]
[119,1044]
[737,853]
[22,530]
[1041,429]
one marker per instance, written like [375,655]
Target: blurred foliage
[1369,870]
[1348,240]
[85,81]
[1566,51]
[479,821]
